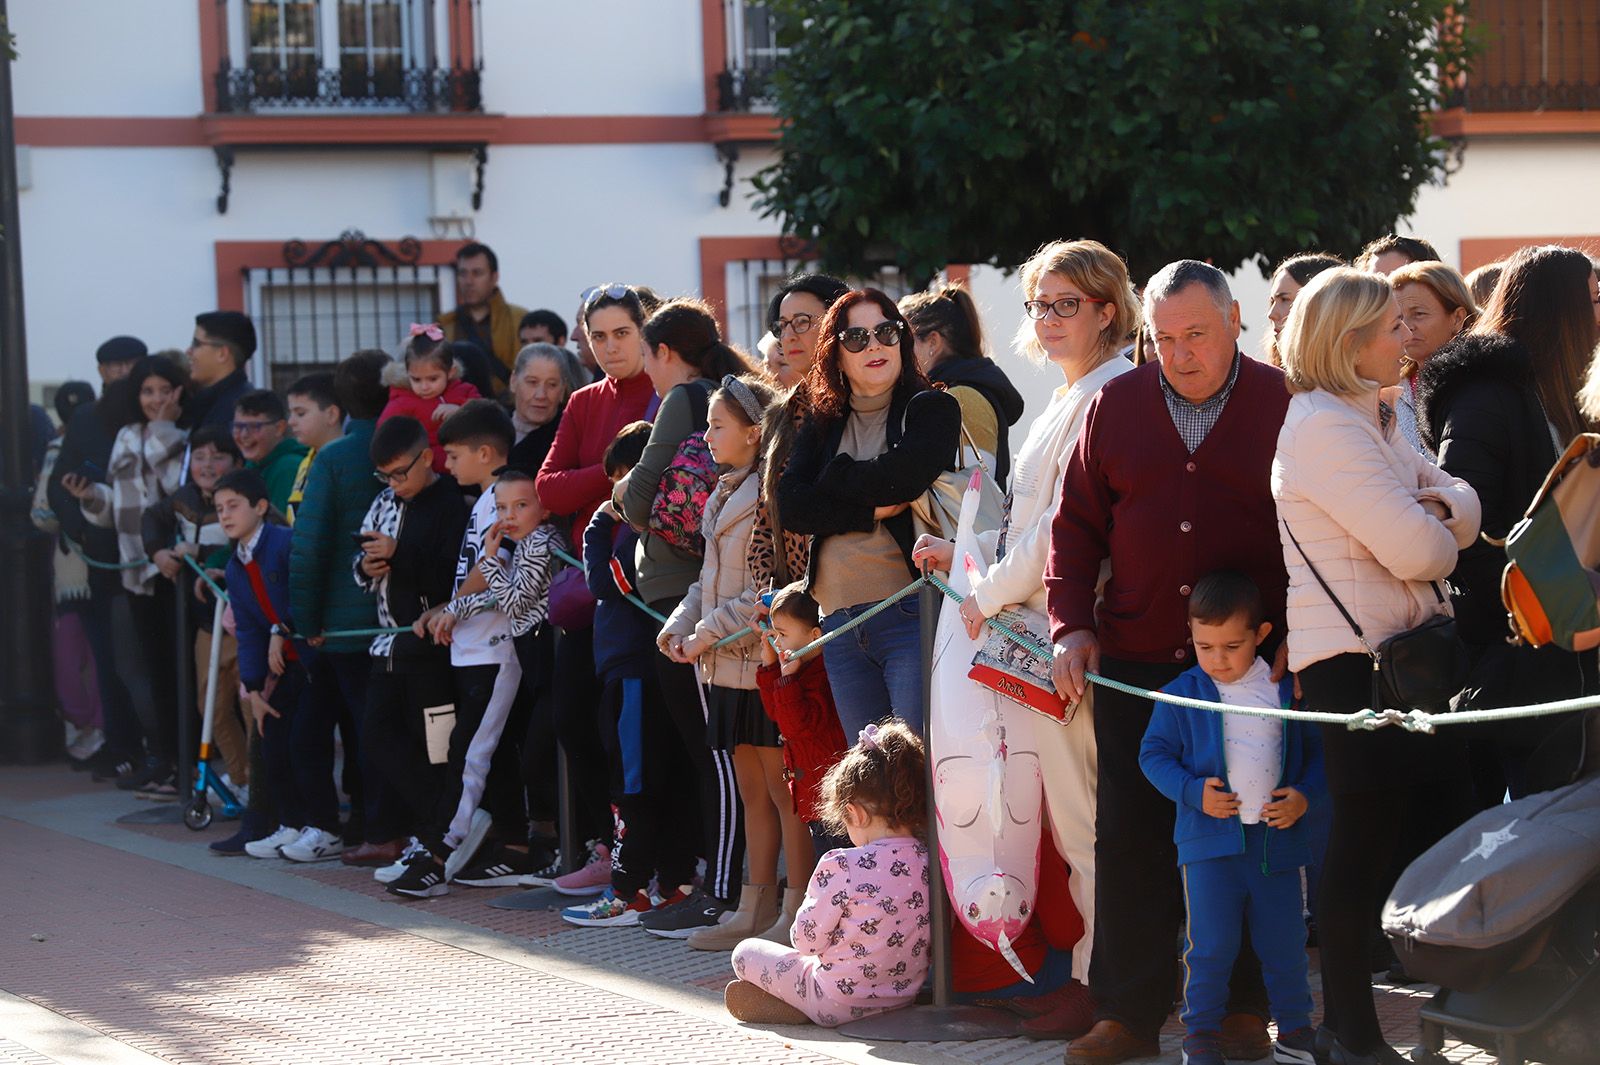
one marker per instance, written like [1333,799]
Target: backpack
[1482,900]
[686,484]
[1550,586]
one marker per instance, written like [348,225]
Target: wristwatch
[279,630]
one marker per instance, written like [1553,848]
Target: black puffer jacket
[1477,405]
[991,382]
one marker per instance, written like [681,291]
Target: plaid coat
[147,465]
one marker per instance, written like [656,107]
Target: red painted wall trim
[462,40]
[234,257]
[1476,251]
[713,45]
[1459,123]
[958,274]
[715,255]
[112,131]
[213,29]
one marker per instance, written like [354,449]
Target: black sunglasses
[856,338]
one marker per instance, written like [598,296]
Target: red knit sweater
[802,707]
[1132,493]
[572,480]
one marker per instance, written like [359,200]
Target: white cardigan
[1036,474]
[1353,496]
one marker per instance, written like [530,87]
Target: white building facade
[181,155]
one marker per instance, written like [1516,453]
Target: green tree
[924,132]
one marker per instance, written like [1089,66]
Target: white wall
[106,57]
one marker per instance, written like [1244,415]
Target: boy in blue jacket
[272,668]
[1242,783]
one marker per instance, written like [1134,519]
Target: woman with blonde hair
[1078,310]
[1361,510]
[1436,305]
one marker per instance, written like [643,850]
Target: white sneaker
[388,874]
[314,845]
[268,846]
[86,744]
[476,831]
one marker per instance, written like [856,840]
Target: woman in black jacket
[877,437]
[1499,404]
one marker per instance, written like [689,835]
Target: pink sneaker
[593,878]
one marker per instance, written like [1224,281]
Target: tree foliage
[925,132]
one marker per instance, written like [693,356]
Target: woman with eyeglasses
[572,480]
[1078,309]
[779,556]
[877,437]
[950,350]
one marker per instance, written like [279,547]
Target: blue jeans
[1222,895]
[875,669]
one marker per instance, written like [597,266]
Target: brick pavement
[191,965]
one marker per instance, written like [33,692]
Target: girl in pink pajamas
[861,937]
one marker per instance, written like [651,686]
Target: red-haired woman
[877,437]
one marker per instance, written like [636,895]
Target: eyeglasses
[205,342]
[252,428]
[594,292]
[1065,307]
[856,337]
[392,477]
[800,323]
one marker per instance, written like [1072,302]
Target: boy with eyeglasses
[261,430]
[407,560]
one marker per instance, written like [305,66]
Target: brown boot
[758,908]
[779,932]
[1108,1043]
[1244,1037]
[747,1002]
[1069,1013]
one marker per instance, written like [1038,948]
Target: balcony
[405,57]
[750,30]
[1538,56]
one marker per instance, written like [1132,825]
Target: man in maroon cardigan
[1169,480]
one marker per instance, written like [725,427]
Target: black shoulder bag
[1423,668]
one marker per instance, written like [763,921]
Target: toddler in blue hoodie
[1242,784]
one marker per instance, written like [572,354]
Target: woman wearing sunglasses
[877,437]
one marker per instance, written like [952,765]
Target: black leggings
[1388,807]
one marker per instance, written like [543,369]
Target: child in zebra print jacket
[522,588]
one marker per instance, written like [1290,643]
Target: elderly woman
[1078,306]
[542,380]
[876,438]
[1381,525]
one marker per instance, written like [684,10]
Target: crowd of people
[453,563]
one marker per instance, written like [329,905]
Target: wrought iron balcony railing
[1539,55]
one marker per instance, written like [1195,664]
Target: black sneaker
[153,769]
[543,875]
[501,867]
[423,879]
[108,765]
[683,919]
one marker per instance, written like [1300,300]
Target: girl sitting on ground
[431,389]
[861,938]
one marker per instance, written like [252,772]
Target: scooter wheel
[197,815]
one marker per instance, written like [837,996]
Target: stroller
[1504,915]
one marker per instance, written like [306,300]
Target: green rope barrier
[866,615]
[330,634]
[629,596]
[95,563]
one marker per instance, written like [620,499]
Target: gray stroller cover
[1476,904]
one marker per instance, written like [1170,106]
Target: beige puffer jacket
[723,600]
[1353,496]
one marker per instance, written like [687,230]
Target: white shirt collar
[247,547]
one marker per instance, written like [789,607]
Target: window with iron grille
[325,303]
[750,28]
[753,282]
[382,54]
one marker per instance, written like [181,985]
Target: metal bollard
[928,607]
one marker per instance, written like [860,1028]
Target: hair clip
[431,331]
[869,738]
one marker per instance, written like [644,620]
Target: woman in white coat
[1080,311]
[1381,525]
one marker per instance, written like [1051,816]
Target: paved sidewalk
[134,943]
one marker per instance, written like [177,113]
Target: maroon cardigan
[1132,493]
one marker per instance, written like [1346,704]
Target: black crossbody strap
[1351,621]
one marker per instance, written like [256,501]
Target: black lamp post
[30,730]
